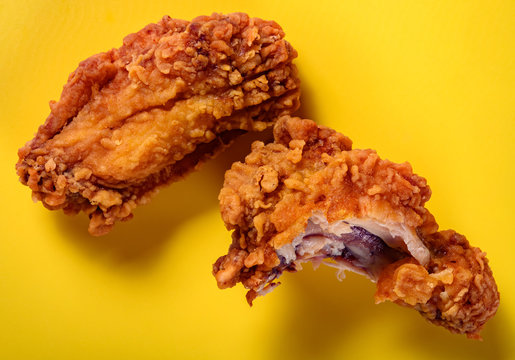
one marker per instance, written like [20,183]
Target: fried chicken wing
[309,197]
[136,118]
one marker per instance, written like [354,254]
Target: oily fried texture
[268,199]
[456,290]
[136,118]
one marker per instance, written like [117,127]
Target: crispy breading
[139,117]
[456,289]
[309,169]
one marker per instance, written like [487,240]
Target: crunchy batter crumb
[309,169]
[136,118]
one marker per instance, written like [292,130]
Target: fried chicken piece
[139,117]
[308,197]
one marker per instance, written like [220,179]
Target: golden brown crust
[312,168]
[135,118]
[268,199]
[456,290]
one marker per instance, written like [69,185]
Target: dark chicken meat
[308,196]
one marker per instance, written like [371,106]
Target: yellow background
[432,82]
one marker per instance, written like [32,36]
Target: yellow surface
[432,82]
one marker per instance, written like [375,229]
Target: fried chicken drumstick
[139,117]
[308,197]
